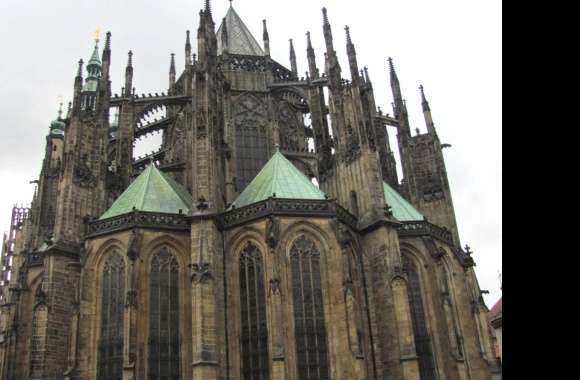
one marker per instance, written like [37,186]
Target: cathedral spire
[187,49]
[351,51]
[106,59]
[399,104]
[333,70]
[427,111]
[266,38]
[327,32]
[293,64]
[314,74]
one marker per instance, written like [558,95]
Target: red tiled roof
[495,312]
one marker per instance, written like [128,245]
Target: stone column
[130,315]
[205,272]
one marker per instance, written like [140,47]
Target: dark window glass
[110,355]
[38,342]
[164,347]
[310,328]
[254,343]
[422,339]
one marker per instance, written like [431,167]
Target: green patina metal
[279,178]
[402,210]
[152,191]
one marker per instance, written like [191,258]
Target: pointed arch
[110,345]
[423,345]
[254,331]
[309,319]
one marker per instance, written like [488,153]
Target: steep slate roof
[152,191]
[402,210]
[280,177]
[240,39]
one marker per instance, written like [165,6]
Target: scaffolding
[19,216]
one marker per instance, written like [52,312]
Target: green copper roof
[280,177]
[152,191]
[57,124]
[95,59]
[402,210]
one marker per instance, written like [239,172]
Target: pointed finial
[266,36]
[69,110]
[172,64]
[208,7]
[391,66]
[277,148]
[325,16]
[308,40]
[80,70]
[187,38]
[130,60]
[348,39]
[108,41]
[231,3]
[60,107]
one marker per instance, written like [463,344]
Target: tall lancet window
[110,355]
[254,344]
[163,359]
[422,339]
[38,341]
[309,325]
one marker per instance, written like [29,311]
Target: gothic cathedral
[268,238]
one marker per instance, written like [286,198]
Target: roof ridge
[143,189]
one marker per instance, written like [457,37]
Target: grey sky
[452,47]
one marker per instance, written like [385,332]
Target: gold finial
[97,34]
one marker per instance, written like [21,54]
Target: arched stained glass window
[38,342]
[254,339]
[163,358]
[110,355]
[422,339]
[309,324]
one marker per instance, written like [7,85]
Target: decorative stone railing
[139,219]
[286,207]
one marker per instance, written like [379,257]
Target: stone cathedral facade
[269,237]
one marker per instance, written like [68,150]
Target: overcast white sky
[452,47]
